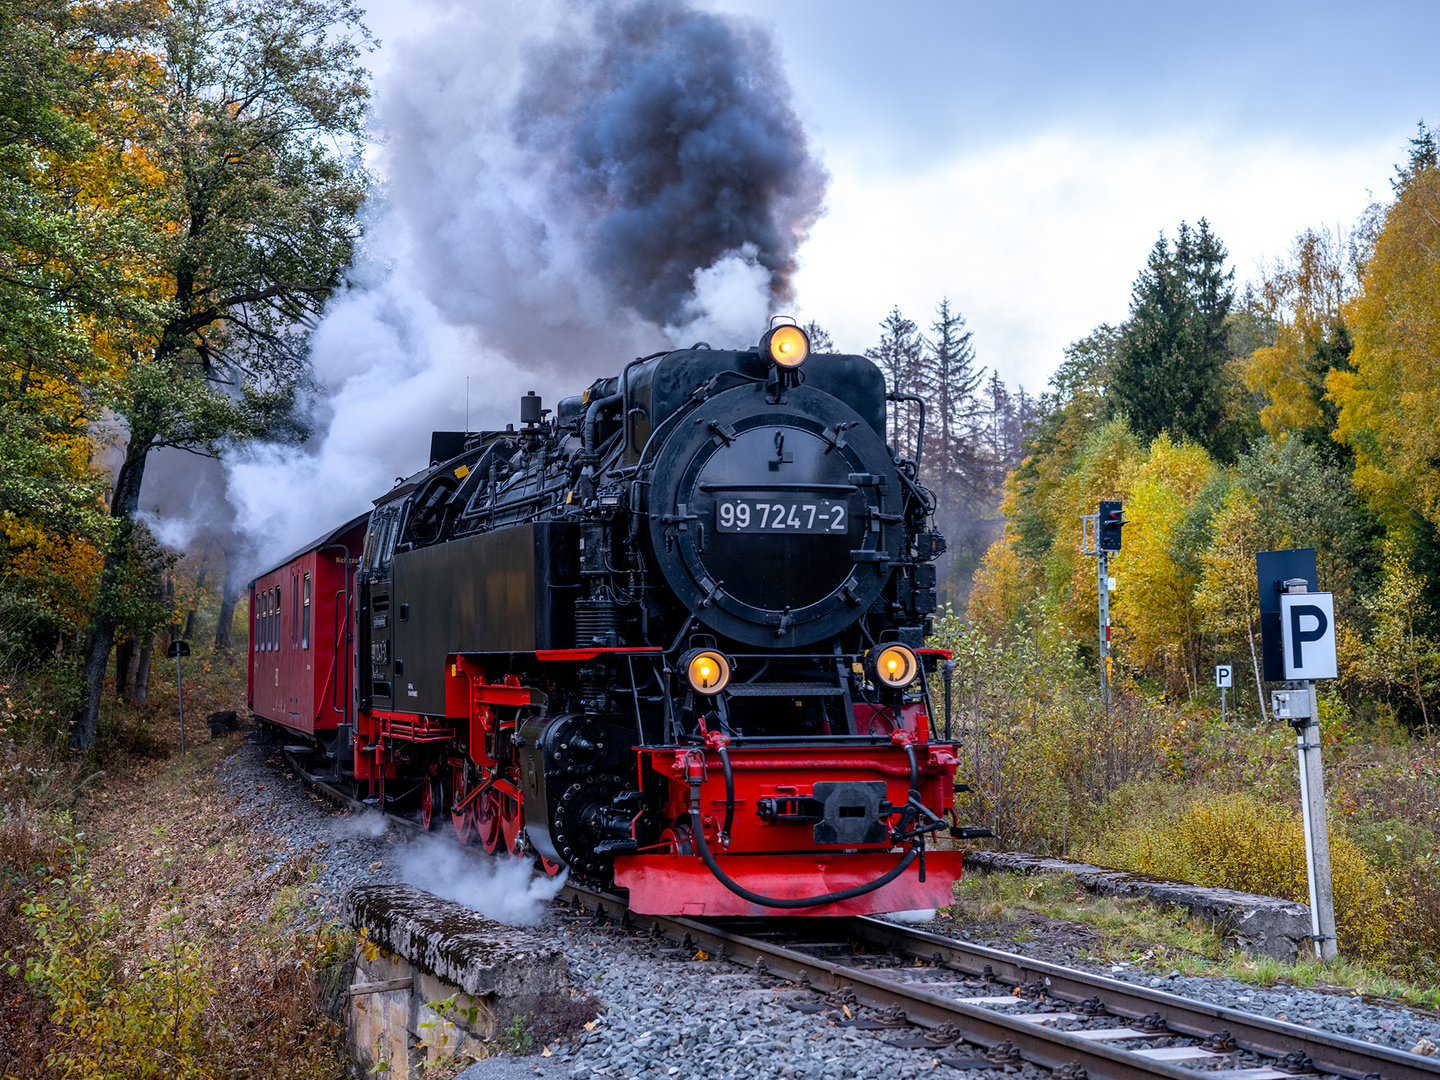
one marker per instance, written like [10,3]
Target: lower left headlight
[707,671]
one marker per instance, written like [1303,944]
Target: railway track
[1003,1008]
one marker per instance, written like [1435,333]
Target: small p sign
[1224,676]
[1307,631]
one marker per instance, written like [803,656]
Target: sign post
[1109,520]
[177,650]
[1224,679]
[1299,646]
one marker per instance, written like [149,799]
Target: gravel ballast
[668,1015]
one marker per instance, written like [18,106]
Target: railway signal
[1101,540]
[1297,628]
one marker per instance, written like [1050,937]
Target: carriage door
[376,617]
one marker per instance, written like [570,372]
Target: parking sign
[1224,676]
[1307,630]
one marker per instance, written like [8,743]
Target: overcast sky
[1021,158]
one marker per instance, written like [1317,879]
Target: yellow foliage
[1236,841]
[1153,613]
[998,590]
[1390,402]
[1305,298]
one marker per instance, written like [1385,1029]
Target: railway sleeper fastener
[1034,989]
[1004,1053]
[1295,1063]
[1091,1006]
[1071,1070]
[1221,1042]
[1152,1022]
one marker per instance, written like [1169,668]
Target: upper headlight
[786,346]
[894,666]
[707,671]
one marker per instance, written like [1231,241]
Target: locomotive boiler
[669,635]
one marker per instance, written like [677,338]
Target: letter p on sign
[1307,628]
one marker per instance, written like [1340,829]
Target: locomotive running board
[683,885]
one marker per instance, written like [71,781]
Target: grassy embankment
[139,937]
[1168,788]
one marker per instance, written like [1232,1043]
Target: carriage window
[275,629]
[254,621]
[269,618]
[305,617]
[294,613]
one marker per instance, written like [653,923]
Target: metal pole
[1313,814]
[180,693]
[1222,704]
[1102,561]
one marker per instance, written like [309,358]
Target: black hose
[697,835]
[729,796]
[592,416]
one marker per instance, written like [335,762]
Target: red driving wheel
[464,822]
[550,868]
[432,803]
[511,819]
[489,822]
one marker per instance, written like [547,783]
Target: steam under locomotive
[669,635]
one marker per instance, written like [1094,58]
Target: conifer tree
[1167,374]
[900,356]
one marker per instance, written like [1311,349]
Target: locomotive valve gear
[707,670]
[786,346]
[894,666]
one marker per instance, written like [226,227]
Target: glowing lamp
[894,666]
[785,346]
[707,671]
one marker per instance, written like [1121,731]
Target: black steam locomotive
[669,635]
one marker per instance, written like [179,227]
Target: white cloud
[1039,240]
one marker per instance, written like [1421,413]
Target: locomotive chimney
[530,411]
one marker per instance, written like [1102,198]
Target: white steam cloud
[567,186]
[504,889]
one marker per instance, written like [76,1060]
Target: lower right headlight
[892,665]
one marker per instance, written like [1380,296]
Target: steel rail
[1044,1046]
[1329,1052]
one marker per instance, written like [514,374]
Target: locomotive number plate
[782,515]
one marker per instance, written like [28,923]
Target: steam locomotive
[669,635]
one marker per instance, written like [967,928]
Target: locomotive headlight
[707,670]
[786,346]
[894,666]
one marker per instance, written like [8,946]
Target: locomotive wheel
[510,821]
[432,803]
[464,822]
[550,868]
[489,825]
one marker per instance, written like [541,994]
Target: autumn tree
[1304,297]
[1388,397]
[70,243]
[252,119]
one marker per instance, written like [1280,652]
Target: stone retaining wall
[1260,925]
[432,979]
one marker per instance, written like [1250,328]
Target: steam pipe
[920,438]
[592,416]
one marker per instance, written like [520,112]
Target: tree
[820,340]
[899,355]
[947,378]
[1304,299]
[1167,372]
[1389,397]
[69,247]
[247,121]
